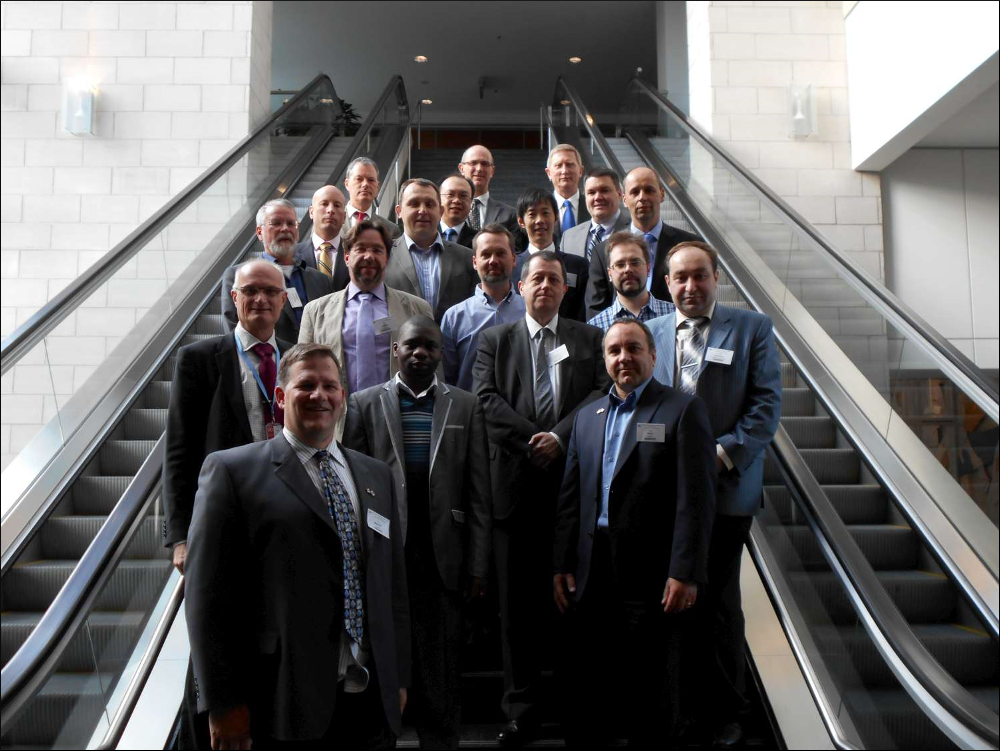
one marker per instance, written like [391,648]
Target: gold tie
[325,263]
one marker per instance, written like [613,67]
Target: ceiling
[518,47]
[976,125]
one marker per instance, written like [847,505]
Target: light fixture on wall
[78,106]
[801,111]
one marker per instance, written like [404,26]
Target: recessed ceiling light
[564,102]
[427,101]
[576,60]
[420,59]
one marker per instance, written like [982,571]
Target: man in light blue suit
[728,357]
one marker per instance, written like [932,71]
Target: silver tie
[473,220]
[692,350]
[545,411]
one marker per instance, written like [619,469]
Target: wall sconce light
[78,106]
[801,111]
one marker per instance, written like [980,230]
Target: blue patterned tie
[568,220]
[339,506]
[596,237]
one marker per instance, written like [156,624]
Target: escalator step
[888,718]
[208,324]
[810,432]
[192,338]
[65,537]
[797,402]
[788,375]
[134,584]
[98,495]
[145,424]
[67,703]
[921,596]
[155,396]
[886,547]
[856,504]
[830,466]
[124,457]
[108,636]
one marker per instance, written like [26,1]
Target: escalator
[882,581]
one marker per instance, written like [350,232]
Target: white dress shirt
[252,396]
[574,201]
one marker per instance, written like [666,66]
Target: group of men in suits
[447,413]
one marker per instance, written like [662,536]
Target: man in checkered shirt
[628,269]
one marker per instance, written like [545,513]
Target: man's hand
[545,449]
[402,700]
[180,553]
[561,583]
[476,589]
[678,596]
[230,729]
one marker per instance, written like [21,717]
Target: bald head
[258,270]
[643,196]
[259,296]
[477,165]
[328,211]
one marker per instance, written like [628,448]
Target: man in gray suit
[423,264]
[295,592]
[602,191]
[278,231]
[433,437]
[477,164]
[362,184]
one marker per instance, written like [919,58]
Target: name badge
[384,325]
[557,355]
[570,279]
[651,432]
[721,356]
[293,297]
[379,523]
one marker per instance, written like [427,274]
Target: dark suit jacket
[661,505]
[461,506]
[504,381]
[306,253]
[206,414]
[576,277]
[264,589]
[498,212]
[465,236]
[287,328]
[600,293]
[458,278]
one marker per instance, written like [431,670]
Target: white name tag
[293,297]
[721,356]
[570,279]
[384,325]
[557,355]
[379,523]
[651,432]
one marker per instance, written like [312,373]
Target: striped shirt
[427,263]
[616,311]
[417,415]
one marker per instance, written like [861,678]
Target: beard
[630,293]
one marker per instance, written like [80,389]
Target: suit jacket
[504,381]
[574,241]
[661,504]
[498,212]
[264,582]
[743,398]
[576,277]
[306,253]
[600,293]
[317,285]
[461,506]
[458,278]
[206,414]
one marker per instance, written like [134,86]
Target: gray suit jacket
[458,278]
[497,212]
[392,227]
[574,241]
[461,507]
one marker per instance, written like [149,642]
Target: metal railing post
[420,111]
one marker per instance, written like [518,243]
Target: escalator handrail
[895,629]
[599,140]
[24,338]
[946,349]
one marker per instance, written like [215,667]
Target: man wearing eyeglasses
[477,164]
[628,269]
[456,206]
[278,232]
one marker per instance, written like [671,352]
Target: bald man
[478,166]
[323,251]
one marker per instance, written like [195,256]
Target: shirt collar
[573,199]
[534,326]
[317,241]
[268,257]
[655,232]
[306,452]
[617,307]
[483,199]
[443,228]
[481,294]
[532,249]
[609,227]
[352,210]
[353,291]
[401,386]
[631,399]
[410,245]
[248,340]
[679,317]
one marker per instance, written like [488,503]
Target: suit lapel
[291,472]
[231,379]
[669,354]
[394,304]
[442,407]
[401,259]
[448,261]
[721,329]
[565,367]
[394,424]
[520,347]
[642,413]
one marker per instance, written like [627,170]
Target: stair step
[155,396]
[110,637]
[124,457]
[143,424]
[69,704]
[209,324]
[33,586]
[922,597]
[886,546]
[66,537]
[797,401]
[830,466]
[856,504]
[98,494]
[810,432]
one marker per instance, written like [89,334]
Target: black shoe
[729,735]
[511,735]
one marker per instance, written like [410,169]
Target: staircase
[318,175]
[516,169]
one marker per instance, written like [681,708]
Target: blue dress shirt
[655,232]
[620,413]
[427,262]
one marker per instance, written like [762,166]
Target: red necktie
[268,374]
[358,216]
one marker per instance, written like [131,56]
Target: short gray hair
[361,160]
[262,211]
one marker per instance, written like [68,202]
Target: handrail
[946,349]
[587,119]
[59,307]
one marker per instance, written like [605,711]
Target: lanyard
[256,375]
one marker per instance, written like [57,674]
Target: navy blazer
[743,398]
[661,505]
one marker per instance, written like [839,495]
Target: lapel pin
[370,492]
[600,410]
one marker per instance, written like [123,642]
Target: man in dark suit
[421,263]
[631,546]
[564,168]
[477,164]
[603,193]
[296,599]
[728,357]
[643,196]
[536,214]
[531,376]
[323,251]
[456,206]
[433,437]
[278,231]
[362,184]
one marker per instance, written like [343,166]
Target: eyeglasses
[478,163]
[458,196]
[359,248]
[279,224]
[631,263]
[254,291]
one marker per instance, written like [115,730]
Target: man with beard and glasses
[278,231]
[628,269]
[494,301]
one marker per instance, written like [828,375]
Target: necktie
[473,219]
[596,237]
[358,216]
[367,373]
[268,373]
[568,220]
[545,411]
[692,344]
[325,262]
[339,507]
[651,241]
[450,235]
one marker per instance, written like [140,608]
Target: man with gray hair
[278,231]
[362,184]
